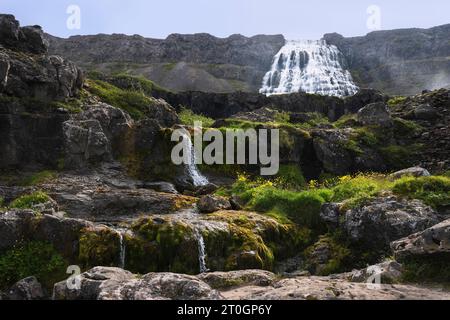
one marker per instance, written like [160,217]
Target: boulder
[386,272]
[328,145]
[330,213]
[9,30]
[414,172]
[211,203]
[163,113]
[432,241]
[425,112]
[33,40]
[375,114]
[386,219]
[26,289]
[223,280]
[103,283]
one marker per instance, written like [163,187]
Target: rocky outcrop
[413,172]
[375,114]
[116,284]
[26,289]
[383,220]
[26,70]
[181,62]
[329,148]
[432,241]
[211,203]
[398,62]
[103,283]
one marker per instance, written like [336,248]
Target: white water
[201,252]
[309,66]
[192,170]
[122,253]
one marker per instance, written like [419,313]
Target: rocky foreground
[86,180]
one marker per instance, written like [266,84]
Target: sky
[295,19]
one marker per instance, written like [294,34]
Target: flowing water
[309,66]
[192,170]
[122,252]
[201,252]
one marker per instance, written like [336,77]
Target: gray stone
[211,203]
[375,114]
[386,219]
[414,172]
[425,112]
[26,289]
[434,240]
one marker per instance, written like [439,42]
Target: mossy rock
[99,247]
[159,245]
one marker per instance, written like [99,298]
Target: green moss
[136,103]
[188,117]
[393,102]
[433,269]
[406,128]
[38,178]
[399,157]
[99,247]
[290,177]
[339,257]
[30,200]
[164,245]
[434,191]
[37,259]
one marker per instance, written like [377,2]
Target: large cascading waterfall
[309,66]
[192,170]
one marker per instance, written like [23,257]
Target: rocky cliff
[401,62]
[180,62]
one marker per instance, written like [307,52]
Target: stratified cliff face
[400,62]
[180,62]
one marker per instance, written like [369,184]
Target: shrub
[434,191]
[32,259]
[30,200]
[188,117]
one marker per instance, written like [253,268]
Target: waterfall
[201,251]
[122,252]
[192,170]
[309,66]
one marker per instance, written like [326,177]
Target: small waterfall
[198,179]
[201,251]
[122,252]
[311,67]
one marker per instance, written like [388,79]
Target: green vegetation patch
[434,191]
[188,117]
[37,259]
[39,178]
[30,200]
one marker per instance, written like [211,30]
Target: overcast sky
[296,19]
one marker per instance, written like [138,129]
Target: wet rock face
[386,219]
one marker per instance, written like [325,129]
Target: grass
[303,205]
[393,102]
[434,191]
[134,102]
[29,200]
[37,259]
[38,178]
[188,117]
